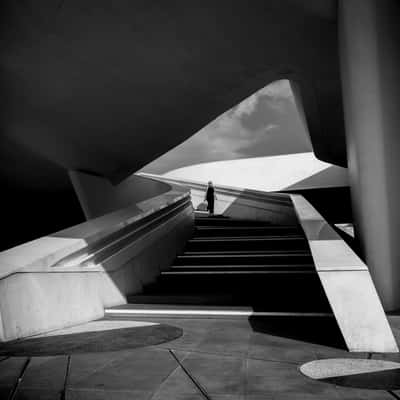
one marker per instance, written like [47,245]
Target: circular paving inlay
[358,373]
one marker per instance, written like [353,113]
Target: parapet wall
[70,277]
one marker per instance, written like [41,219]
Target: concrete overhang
[107,87]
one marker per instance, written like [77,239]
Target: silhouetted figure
[210,198]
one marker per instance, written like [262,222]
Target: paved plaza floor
[218,359]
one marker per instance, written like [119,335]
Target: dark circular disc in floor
[92,342]
[356,373]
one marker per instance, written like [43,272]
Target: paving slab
[217,374]
[273,348]
[10,370]
[143,370]
[89,394]
[45,372]
[177,385]
[275,379]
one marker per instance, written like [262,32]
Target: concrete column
[370,68]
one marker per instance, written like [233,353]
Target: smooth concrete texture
[98,196]
[369,39]
[347,285]
[336,255]
[290,171]
[69,278]
[230,359]
[161,74]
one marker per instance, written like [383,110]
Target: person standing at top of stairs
[210,197]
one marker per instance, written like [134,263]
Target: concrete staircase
[235,268]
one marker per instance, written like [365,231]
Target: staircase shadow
[315,330]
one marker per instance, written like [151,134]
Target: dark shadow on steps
[316,330]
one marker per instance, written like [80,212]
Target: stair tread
[235,268]
[224,239]
[245,266]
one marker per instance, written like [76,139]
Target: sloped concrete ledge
[40,293]
[347,284]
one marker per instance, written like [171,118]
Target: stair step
[235,269]
[248,259]
[266,272]
[245,244]
[244,253]
[247,237]
[220,299]
[246,231]
[221,221]
[242,267]
[170,311]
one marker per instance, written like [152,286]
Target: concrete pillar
[370,68]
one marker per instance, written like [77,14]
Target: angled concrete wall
[98,196]
[69,277]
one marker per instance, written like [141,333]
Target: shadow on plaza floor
[91,341]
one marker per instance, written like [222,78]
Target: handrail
[347,284]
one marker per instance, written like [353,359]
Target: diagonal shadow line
[190,376]
[393,394]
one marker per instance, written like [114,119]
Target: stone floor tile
[10,370]
[387,356]
[362,394]
[275,379]
[37,394]
[107,395]
[217,374]
[226,341]
[267,347]
[322,352]
[190,340]
[170,396]
[83,365]
[45,372]
[142,370]
[175,385]
[292,396]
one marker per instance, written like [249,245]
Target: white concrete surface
[370,71]
[98,196]
[347,285]
[96,326]
[40,292]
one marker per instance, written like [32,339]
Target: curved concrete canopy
[106,87]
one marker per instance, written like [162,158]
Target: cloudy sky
[266,123]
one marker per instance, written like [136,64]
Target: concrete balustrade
[70,277]
[347,284]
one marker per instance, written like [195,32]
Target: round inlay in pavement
[357,373]
[93,337]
